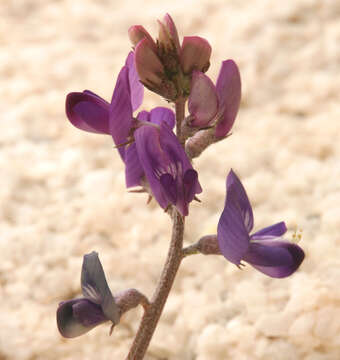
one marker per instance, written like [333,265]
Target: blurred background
[62,191]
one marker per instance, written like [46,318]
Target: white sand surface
[62,191]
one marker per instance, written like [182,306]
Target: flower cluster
[160,162]
[154,159]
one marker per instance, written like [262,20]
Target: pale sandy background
[62,190]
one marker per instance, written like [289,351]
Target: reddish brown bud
[138,33]
[195,54]
[148,65]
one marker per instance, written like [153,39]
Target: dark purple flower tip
[166,166]
[228,87]
[195,54]
[277,259]
[87,111]
[264,250]
[203,101]
[77,317]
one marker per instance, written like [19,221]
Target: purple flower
[134,171]
[166,166]
[264,250]
[78,316]
[216,105]
[89,112]
[146,143]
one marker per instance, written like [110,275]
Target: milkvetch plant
[158,148]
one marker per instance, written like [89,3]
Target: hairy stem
[154,310]
[180,113]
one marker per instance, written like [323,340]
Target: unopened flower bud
[195,54]
[203,101]
[208,245]
[168,36]
[148,65]
[138,33]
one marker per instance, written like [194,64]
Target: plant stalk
[154,310]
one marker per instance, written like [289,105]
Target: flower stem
[154,309]
[180,113]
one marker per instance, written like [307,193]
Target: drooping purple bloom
[264,250]
[216,105]
[166,166]
[78,316]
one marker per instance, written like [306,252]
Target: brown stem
[154,310]
[180,113]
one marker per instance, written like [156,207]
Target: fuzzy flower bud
[137,33]
[195,54]
[168,36]
[148,64]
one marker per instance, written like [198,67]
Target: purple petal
[203,102]
[133,168]
[187,191]
[169,187]
[77,317]
[191,185]
[160,154]
[236,189]
[181,169]
[95,287]
[87,111]
[152,159]
[270,232]
[121,111]
[162,114]
[143,116]
[136,88]
[276,259]
[232,235]
[228,88]
[171,146]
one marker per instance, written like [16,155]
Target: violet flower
[78,316]
[89,112]
[264,250]
[166,166]
[216,105]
